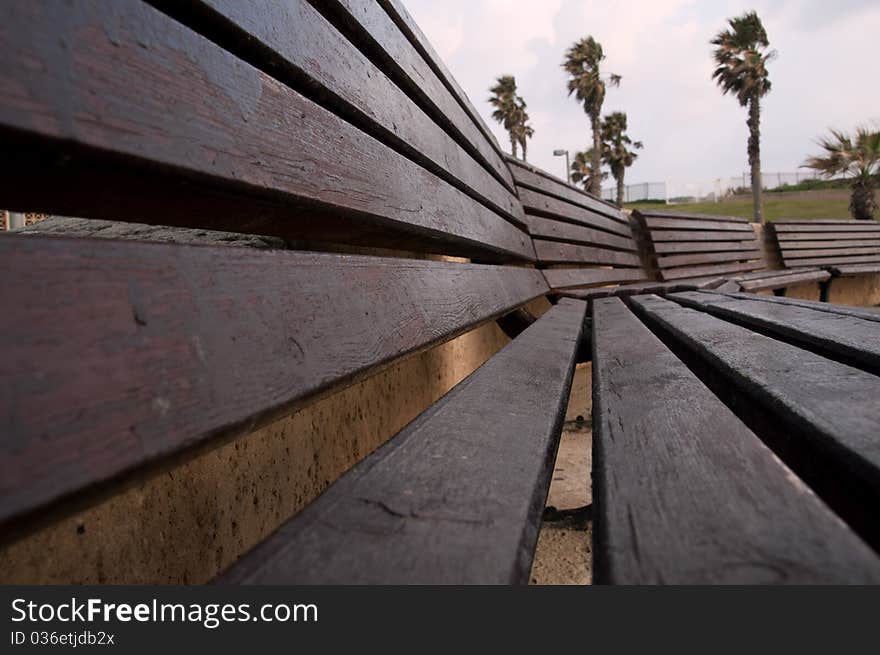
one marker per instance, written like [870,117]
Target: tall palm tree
[615,149]
[587,84]
[741,58]
[858,158]
[506,112]
[522,129]
[582,171]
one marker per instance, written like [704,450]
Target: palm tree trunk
[524,148]
[513,145]
[862,203]
[620,189]
[754,123]
[596,180]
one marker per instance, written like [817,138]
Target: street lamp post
[559,153]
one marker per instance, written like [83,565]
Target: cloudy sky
[825,74]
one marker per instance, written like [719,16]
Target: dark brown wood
[716,270]
[663,248]
[457,496]
[547,228]
[816,225]
[544,205]
[855,269]
[623,290]
[833,260]
[211,121]
[712,218]
[702,235]
[536,179]
[848,310]
[556,252]
[562,278]
[822,419]
[836,252]
[684,492]
[418,66]
[829,244]
[851,339]
[783,280]
[118,355]
[678,223]
[668,261]
[294,43]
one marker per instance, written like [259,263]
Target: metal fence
[673,192]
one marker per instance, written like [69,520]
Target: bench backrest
[580,241]
[827,243]
[337,127]
[699,246]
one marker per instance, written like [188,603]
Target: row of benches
[127,359]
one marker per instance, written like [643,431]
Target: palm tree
[741,58]
[522,130]
[858,158]
[503,99]
[615,151]
[582,170]
[585,81]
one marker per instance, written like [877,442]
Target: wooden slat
[534,178]
[832,408]
[782,281]
[197,123]
[120,354]
[547,228]
[787,222]
[856,269]
[627,290]
[707,258]
[561,278]
[830,260]
[292,42]
[704,246]
[829,243]
[704,271]
[457,496]
[675,223]
[833,308]
[551,207]
[555,252]
[702,235]
[424,71]
[853,339]
[843,227]
[711,218]
[835,252]
[684,492]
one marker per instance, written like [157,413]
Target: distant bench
[845,248]
[704,246]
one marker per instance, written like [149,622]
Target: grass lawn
[810,204]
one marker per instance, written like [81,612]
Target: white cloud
[822,77]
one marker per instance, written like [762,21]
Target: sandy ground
[564,552]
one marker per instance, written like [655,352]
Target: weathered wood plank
[826,227]
[424,72]
[832,408]
[684,492]
[147,349]
[556,252]
[702,235]
[833,308]
[538,180]
[294,43]
[627,290]
[830,260]
[547,228]
[782,281]
[854,339]
[551,207]
[678,224]
[561,278]
[663,248]
[711,218]
[835,252]
[855,269]
[457,496]
[796,244]
[716,270]
[210,122]
[668,261]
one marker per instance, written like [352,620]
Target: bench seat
[780,279]
[457,496]
[686,490]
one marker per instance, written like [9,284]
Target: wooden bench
[694,405]
[705,246]
[845,248]
[129,358]
[585,246]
